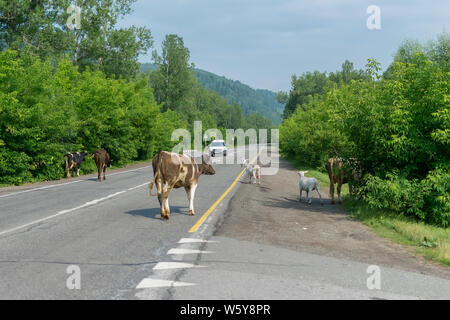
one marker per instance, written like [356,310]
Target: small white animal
[244,163]
[256,173]
[252,171]
[309,185]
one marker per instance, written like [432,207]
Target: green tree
[174,80]
[303,89]
[40,27]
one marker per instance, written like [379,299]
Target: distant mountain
[252,101]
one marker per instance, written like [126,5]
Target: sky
[263,43]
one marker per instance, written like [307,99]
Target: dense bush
[397,127]
[427,199]
[46,111]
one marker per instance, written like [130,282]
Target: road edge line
[218,201]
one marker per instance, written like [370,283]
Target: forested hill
[252,101]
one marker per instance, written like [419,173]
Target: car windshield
[218,144]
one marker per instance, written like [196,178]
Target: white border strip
[64,184]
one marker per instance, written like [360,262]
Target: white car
[216,147]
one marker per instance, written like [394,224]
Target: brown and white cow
[172,170]
[102,160]
[342,171]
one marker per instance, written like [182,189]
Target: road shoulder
[271,214]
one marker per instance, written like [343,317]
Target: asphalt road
[113,234]
[112,231]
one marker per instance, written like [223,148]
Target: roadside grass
[428,241]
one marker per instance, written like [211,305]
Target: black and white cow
[73,162]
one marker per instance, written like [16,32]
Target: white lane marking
[193,240]
[62,212]
[186,251]
[175,265]
[65,184]
[121,172]
[137,187]
[156,283]
[41,188]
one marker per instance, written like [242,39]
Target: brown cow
[342,171]
[102,160]
[172,170]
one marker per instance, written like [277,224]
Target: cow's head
[206,165]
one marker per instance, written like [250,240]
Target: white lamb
[256,172]
[252,171]
[309,185]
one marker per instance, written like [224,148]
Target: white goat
[309,185]
[256,173]
[252,171]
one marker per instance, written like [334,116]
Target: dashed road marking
[193,240]
[137,187]
[65,184]
[63,212]
[186,251]
[157,283]
[175,265]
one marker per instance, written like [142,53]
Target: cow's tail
[150,188]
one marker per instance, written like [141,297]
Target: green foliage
[40,27]
[427,199]
[397,127]
[308,135]
[173,80]
[304,89]
[261,102]
[315,84]
[176,87]
[46,112]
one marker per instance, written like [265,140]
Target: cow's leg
[161,205]
[301,191]
[159,192]
[78,172]
[99,170]
[191,195]
[339,187]
[67,170]
[163,202]
[164,205]
[166,208]
[104,171]
[332,191]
